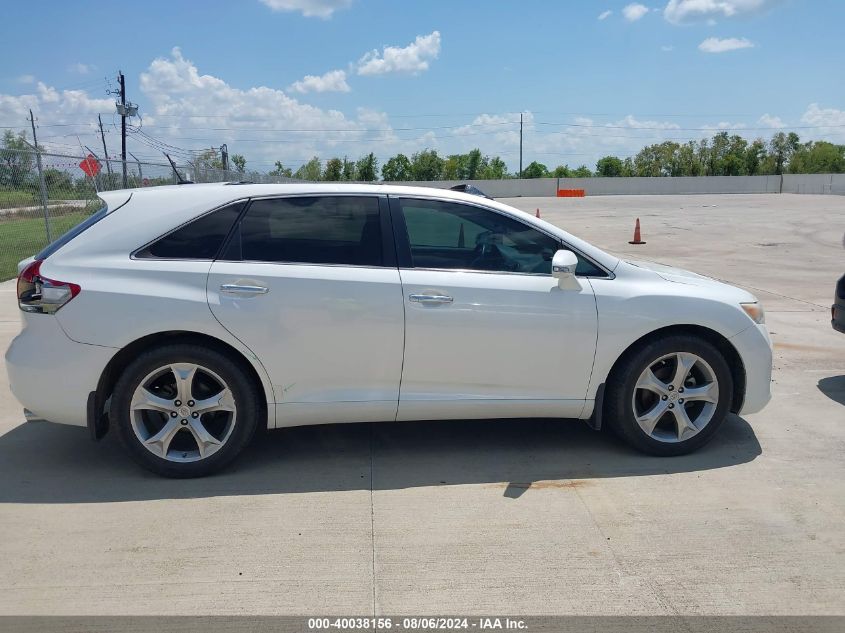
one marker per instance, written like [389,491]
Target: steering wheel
[488,256]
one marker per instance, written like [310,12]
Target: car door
[488,331]
[310,285]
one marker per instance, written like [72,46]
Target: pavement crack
[656,590]
[372,521]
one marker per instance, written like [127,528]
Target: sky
[285,80]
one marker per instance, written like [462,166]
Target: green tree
[206,160]
[689,161]
[781,148]
[334,170]
[454,167]
[582,172]
[493,169]
[312,170]
[473,164]
[820,157]
[426,165]
[535,170]
[755,154]
[396,168]
[366,169]
[16,159]
[281,170]
[58,182]
[348,171]
[561,171]
[648,162]
[609,167]
[239,162]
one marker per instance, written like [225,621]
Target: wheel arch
[713,337]
[113,369]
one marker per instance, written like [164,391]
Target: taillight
[37,293]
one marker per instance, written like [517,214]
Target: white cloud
[25,79]
[259,122]
[332,81]
[80,68]
[605,14]
[309,8]
[634,11]
[767,120]
[829,122]
[681,11]
[723,45]
[667,49]
[413,58]
[72,112]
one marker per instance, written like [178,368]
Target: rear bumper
[52,375]
[837,320]
[755,348]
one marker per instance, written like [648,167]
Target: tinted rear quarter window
[198,239]
[312,230]
[72,234]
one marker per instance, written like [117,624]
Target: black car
[837,310]
[467,188]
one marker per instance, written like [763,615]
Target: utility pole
[105,151]
[41,184]
[122,80]
[224,156]
[520,144]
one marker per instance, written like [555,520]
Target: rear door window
[310,230]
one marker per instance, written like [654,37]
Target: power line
[316,130]
[684,129]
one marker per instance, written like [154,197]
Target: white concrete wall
[680,185]
[511,188]
[814,183]
[547,187]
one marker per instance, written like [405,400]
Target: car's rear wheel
[669,396]
[184,410]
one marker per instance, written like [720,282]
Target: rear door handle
[243,290]
[430,298]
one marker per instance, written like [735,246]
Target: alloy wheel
[675,397]
[183,412]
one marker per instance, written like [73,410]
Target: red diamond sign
[90,165]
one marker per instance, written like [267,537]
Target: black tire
[619,410]
[246,398]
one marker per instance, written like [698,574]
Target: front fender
[630,311]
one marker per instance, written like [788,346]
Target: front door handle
[430,298]
[243,290]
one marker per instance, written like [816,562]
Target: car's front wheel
[670,396]
[184,410]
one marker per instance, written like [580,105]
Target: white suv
[184,317]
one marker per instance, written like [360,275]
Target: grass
[17,199]
[22,237]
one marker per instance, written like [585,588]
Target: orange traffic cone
[537,215]
[637,239]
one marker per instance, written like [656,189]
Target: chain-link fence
[43,195]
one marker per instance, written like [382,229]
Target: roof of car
[233,190]
[212,195]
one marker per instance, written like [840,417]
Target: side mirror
[563,264]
